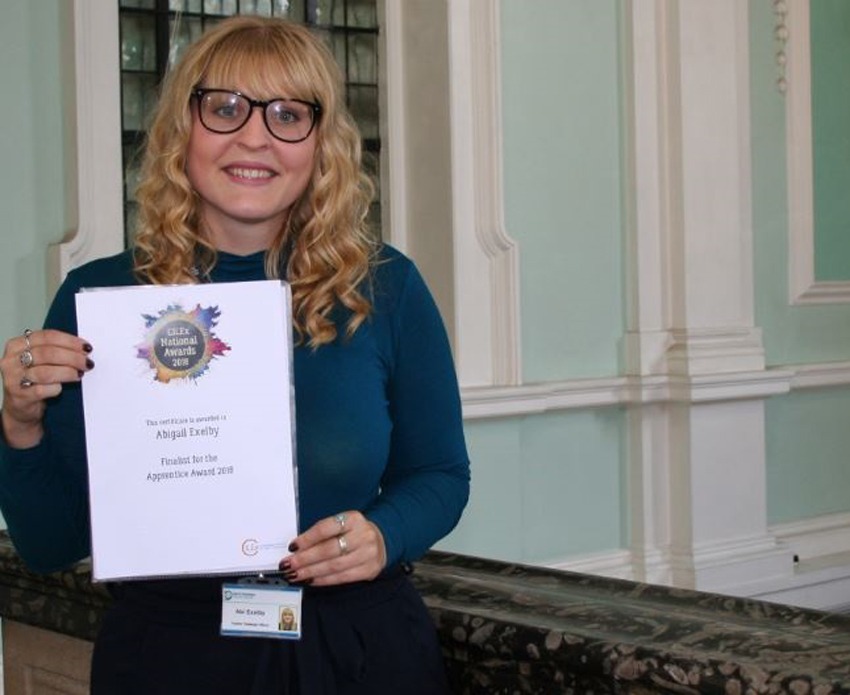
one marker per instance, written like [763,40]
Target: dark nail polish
[87,347]
[89,363]
[285,566]
[290,575]
[80,373]
[293,547]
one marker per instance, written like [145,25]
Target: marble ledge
[509,628]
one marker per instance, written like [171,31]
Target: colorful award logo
[181,344]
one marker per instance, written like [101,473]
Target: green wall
[32,145]
[830,41]
[32,180]
[544,487]
[792,334]
[807,438]
[560,93]
[549,486]
[808,452]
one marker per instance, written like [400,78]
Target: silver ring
[340,519]
[27,334]
[26,382]
[343,545]
[26,358]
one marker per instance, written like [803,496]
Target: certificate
[189,428]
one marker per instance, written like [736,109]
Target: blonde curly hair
[325,243]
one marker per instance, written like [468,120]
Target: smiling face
[248,180]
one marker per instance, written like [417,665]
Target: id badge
[267,609]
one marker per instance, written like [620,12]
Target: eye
[226,107]
[288,113]
[226,110]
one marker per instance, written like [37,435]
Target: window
[154,33]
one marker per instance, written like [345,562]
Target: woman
[287,619]
[252,171]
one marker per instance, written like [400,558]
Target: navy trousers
[368,638]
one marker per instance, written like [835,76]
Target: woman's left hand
[336,550]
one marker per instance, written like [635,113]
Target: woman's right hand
[33,368]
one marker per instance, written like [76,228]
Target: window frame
[96,103]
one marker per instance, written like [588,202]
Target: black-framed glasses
[223,111]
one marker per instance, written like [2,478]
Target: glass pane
[130,217]
[131,176]
[138,42]
[363,58]
[263,7]
[185,5]
[371,165]
[329,13]
[144,4]
[337,44]
[138,97]
[183,31]
[294,9]
[362,13]
[213,6]
[363,102]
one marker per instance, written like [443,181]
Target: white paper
[191,468]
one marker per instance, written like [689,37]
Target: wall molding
[802,286]
[394,189]
[516,401]
[486,270]
[100,225]
[819,375]
[613,391]
[616,564]
[816,537]
[820,580]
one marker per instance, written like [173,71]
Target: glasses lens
[289,120]
[224,112]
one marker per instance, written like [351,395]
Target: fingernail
[80,373]
[290,575]
[285,565]
[89,363]
[293,547]
[87,347]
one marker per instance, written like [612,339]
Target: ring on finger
[340,519]
[26,358]
[27,334]
[26,382]
[343,545]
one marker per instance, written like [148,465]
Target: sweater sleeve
[425,486]
[43,489]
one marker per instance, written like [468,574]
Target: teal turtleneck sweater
[378,423]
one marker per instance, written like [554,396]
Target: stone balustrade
[508,628]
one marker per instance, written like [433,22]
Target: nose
[254,132]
